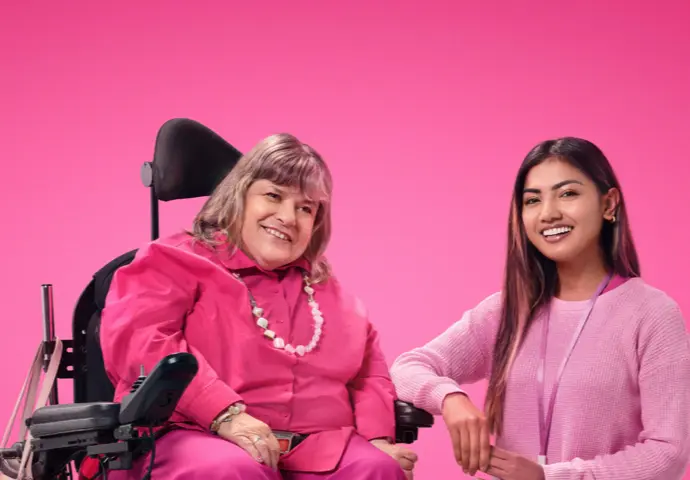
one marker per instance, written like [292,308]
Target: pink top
[180,296]
[622,409]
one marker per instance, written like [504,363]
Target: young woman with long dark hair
[588,365]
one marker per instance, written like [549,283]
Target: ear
[611,201]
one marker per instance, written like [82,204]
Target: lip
[560,225]
[558,237]
[289,237]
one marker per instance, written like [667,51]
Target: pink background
[423,109]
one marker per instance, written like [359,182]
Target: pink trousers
[192,455]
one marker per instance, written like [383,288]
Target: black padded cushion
[98,385]
[73,418]
[190,160]
[91,384]
[407,414]
[104,277]
[408,420]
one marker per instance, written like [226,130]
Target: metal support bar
[154,214]
[147,179]
[48,333]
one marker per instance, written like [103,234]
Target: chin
[274,262]
[558,255]
[276,259]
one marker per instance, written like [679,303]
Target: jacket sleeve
[144,320]
[663,446]
[372,391]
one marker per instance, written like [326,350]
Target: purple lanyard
[545,420]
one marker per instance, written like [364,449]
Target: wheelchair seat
[189,161]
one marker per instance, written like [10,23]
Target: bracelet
[227,416]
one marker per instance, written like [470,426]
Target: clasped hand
[401,454]
[253,436]
[469,432]
[257,439]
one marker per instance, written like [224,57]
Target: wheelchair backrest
[190,160]
[91,384]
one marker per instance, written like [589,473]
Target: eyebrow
[555,187]
[282,191]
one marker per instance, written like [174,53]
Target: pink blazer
[179,296]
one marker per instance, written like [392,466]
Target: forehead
[291,190]
[551,172]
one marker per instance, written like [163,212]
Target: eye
[273,195]
[308,209]
[570,193]
[531,200]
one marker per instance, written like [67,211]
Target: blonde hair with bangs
[285,161]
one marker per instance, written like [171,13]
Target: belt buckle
[284,440]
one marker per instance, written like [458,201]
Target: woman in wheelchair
[292,383]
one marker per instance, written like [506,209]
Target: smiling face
[278,224]
[563,211]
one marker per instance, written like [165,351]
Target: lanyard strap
[545,420]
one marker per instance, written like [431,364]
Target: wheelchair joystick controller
[153,398]
[138,381]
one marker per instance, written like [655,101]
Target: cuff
[376,424]
[440,392]
[206,406]
[557,471]
[387,434]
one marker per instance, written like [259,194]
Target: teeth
[556,231]
[276,233]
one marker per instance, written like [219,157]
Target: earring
[613,219]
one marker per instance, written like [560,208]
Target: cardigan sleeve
[460,355]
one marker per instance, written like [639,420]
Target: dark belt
[286,440]
[289,440]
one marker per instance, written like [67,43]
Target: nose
[286,213]
[549,211]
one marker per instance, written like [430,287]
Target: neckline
[570,305]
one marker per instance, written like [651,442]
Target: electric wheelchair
[189,161]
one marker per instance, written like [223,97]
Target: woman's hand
[403,455]
[511,466]
[469,433]
[254,436]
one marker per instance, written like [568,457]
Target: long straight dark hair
[530,279]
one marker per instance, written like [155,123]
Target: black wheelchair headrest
[189,160]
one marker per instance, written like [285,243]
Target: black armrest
[408,420]
[74,418]
[71,431]
[151,402]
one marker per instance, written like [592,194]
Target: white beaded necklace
[271,335]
